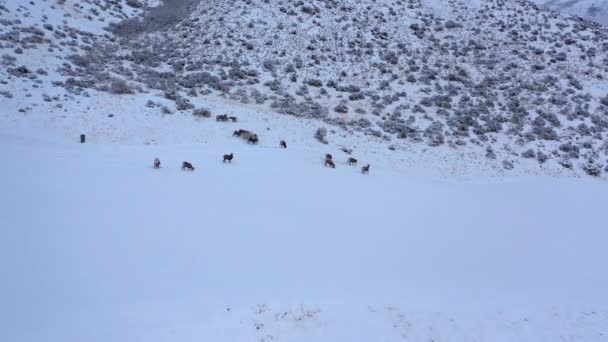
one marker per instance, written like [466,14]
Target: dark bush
[592,169]
[490,153]
[434,133]
[314,83]
[202,112]
[119,86]
[529,154]
[356,96]
[183,103]
[341,108]
[541,157]
[571,150]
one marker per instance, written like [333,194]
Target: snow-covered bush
[183,103]
[571,150]
[119,86]
[79,60]
[592,169]
[321,135]
[490,153]
[341,108]
[434,133]
[314,83]
[356,96]
[529,153]
[202,112]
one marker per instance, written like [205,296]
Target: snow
[98,246]
[133,123]
[434,244]
[462,154]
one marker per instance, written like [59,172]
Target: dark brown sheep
[222,118]
[187,166]
[241,132]
[365,169]
[253,139]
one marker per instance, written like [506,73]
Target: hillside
[482,217]
[503,80]
[98,246]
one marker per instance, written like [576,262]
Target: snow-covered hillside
[96,245]
[478,221]
[490,78]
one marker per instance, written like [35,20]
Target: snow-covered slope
[96,245]
[595,10]
[484,78]
[458,233]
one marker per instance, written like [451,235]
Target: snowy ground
[98,246]
[112,119]
[435,244]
